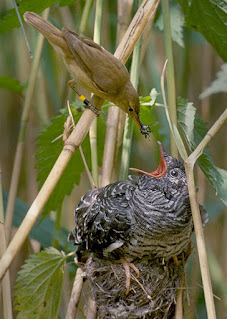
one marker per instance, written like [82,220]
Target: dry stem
[75,294]
[110,144]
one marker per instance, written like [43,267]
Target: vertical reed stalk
[22,132]
[127,138]
[5,284]
[170,76]
[93,128]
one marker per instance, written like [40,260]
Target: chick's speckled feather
[136,218]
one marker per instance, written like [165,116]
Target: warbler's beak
[160,171]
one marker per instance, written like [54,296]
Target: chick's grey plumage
[138,217]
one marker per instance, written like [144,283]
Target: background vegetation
[199,49]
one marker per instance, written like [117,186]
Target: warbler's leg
[72,84]
[87,104]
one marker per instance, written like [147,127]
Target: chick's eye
[174,173]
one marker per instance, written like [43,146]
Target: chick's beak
[160,171]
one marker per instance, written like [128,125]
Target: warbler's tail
[53,35]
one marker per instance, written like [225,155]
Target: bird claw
[92,108]
[87,104]
[127,267]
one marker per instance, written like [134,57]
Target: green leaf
[218,85]
[9,19]
[150,99]
[48,152]
[209,17]
[177,24]
[39,284]
[12,84]
[63,3]
[194,129]
[186,117]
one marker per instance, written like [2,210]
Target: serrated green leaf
[48,152]
[9,19]
[216,176]
[177,24]
[38,285]
[218,85]
[13,85]
[187,111]
[209,17]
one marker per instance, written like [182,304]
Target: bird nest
[152,295]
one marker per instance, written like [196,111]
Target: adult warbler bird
[92,67]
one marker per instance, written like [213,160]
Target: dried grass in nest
[152,295]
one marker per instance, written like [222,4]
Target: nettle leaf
[177,24]
[194,129]
[218,85]
[39,285]
[209,18]
[186,117]
[11,84]
[48,152]
[9,19]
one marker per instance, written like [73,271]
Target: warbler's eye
[130,109]
[174,173]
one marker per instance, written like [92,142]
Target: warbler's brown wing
[108,74]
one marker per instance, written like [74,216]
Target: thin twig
[81,152]
[173,129]
[110,144]
[75,294]
[210,134]
[204,267]
[92,309]
[179,301]
[22,28]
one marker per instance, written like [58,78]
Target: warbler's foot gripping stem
[87,104]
